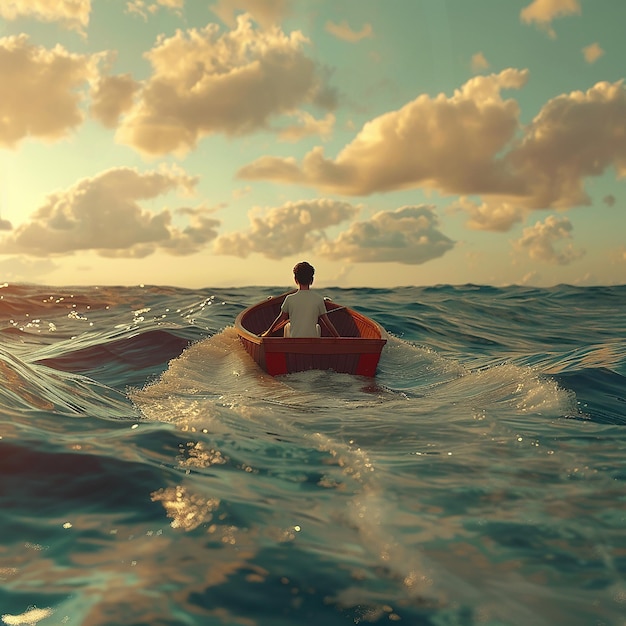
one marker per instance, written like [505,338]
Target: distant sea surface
[151,474]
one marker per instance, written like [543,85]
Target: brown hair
[303,273]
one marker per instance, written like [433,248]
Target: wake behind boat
[356,351]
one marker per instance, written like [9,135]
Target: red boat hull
[356,351]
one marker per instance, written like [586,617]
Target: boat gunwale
[294,341]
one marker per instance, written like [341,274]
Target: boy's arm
[329,325]
[282,317]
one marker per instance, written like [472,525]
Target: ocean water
[151,474]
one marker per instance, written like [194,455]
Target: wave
[367,435]
[28,388]
[406,373]
[450,488]
[142,350]
[600,391]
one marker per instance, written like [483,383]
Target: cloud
[283,231]
[5,224]
[344,31]
[103,214]
[444,143]
[479,63]
[542,12]
[265,12]
[491,215]
[42,90]
[145,7]
[574,136]
[408,235]
[111,96]
[542,241]
[24,269]
[592,53]
[472,144]
[72,13]
[206,82]
[195,236]
[309,126]
[609,200]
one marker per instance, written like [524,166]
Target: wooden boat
[356,351]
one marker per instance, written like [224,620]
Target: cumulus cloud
[72,13]
[111,96]
[201,229]
[265,12]
[207,82]
[103,214]
[40,90]
[150,7]
[5,224]
[408,235]
[283,231]
[544,241]
[574,136]
[479,63]
[346,33]
[592,53]
[543,12]
[308,127]
[473,144]
[491,215]
[444,143]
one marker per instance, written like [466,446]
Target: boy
[303,308]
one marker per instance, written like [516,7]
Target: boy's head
[303,273]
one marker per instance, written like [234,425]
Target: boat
[356,351]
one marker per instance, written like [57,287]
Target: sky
[216,143]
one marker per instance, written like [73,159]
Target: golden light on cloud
[145,7]
[46,90]
[268,13]
[344,31]
[458,138]
[111,96]
[308,126]
[479,63]
[496,215]
[286,230]
[543,12]
[87,216]
[367,135]
[592,52]
[72,13]
[543,241]
[206,81]
[409,235]
[473,143]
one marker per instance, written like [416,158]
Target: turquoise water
[151,474]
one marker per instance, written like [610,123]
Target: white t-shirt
[304,308]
